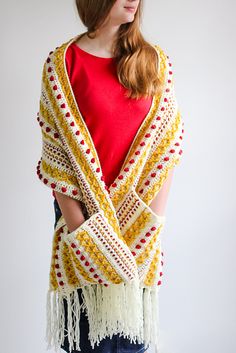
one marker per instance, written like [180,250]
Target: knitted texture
[117,251]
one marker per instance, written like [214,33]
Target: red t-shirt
[111,118]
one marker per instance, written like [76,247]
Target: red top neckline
[92,55]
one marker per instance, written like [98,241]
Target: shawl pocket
[97,254]
[141,229]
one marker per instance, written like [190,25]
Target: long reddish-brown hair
[137,60]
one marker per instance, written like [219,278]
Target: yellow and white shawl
[115,256]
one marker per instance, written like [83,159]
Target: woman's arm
[71,211]
[158,204]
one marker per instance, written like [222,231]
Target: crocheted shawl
[115,255]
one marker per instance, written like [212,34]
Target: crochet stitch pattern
[115,256]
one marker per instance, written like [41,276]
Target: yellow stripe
[98,258]
[150,277]
[71,277]
[134,230]
[160,150]
[46,115]
[152,192]
[58,175]
[53,278]
[122,191]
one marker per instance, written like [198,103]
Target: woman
[113,87]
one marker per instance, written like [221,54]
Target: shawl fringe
[125,308]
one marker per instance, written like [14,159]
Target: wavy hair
[137,60]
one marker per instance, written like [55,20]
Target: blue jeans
[115,344]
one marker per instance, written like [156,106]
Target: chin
[127,19]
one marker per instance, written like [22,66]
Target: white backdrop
[197,299]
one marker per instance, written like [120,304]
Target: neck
[103,41]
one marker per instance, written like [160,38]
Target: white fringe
[118,308]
